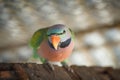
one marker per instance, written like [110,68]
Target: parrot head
[59,36]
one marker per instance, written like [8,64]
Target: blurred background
[96,24]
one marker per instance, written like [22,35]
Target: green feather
[36,40]
[42,60]
[73,35]
[64,62]
[35,55]
[38,37]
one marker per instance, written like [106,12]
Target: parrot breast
[51,54]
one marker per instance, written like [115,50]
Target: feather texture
[38,37]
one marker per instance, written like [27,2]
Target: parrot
[53,44]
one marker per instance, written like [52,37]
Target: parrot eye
[64,31]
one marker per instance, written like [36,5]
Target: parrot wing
[38,37]
[36,40]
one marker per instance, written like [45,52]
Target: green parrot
[53,44]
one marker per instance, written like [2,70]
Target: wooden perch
[32,71]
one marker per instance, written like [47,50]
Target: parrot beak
[55,41]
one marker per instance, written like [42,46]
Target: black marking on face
[65,43]
[62,44]
[50,44]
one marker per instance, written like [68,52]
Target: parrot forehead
[56,29]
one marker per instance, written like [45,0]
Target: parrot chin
[56,47]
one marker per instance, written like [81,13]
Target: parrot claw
[49,66]
[68,68]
